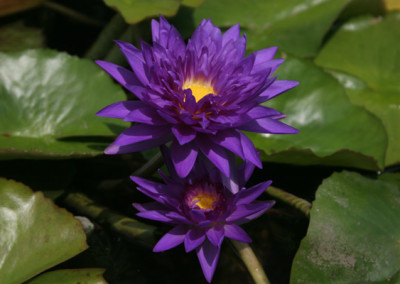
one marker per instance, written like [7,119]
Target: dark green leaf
[366,50]
[354,233]
[17,36]
[34,233]
[295,26]
[71,276]
[332,130]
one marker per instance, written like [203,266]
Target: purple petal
[123,76]
[183,134]
[118,109]
[143,113]
[249,151]
[264,55]
[248,195]
[246,169]
[208,255]
[194,238]
[216,235]
[135,59]
[150,186]
[277,88]
[144,145]
[197,215]
[233,33]
[246,212]
[234,232]
[268,125]
[173,238]
[178,217]
[216,154]
[229,139]
[156,215]
[166,153]
[183,157]
[139,133]
[155,30]
[270,65]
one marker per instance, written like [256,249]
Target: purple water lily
[200,95]
[204,208]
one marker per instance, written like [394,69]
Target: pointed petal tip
[111,150]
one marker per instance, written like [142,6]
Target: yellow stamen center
[205,201]
[199,89]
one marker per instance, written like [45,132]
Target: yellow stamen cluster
[199,89]
[205,201]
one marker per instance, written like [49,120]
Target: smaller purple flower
[204,208]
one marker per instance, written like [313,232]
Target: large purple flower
[204,208]
[199,95]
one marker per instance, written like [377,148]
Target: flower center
[199,89]
[205,200]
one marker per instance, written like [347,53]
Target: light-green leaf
[35,234]
[70,276]
[46,95]
[134,11]
[332,130]
[354,233]
[364,56]
[297,27]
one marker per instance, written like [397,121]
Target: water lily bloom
[203,208]
[199,95]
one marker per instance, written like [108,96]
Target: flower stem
[250,260]
[130,228]
[104,41]
[303,205]
[150,166]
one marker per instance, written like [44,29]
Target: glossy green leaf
[297,27]
[17,36]
[46,95]
[35,234]
[192,3]
[71,276]
[366,50]
[354,233]
[332,130]
[134,11]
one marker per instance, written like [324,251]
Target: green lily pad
[35,234]
[192,3]
[332,130]
[69,276]
[134,11]
[17,36]
[366,51]
[46,95]
[354,233]
[297,27]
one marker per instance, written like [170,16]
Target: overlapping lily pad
[45,96]
[34,233]
[295,26]
[17,36]
[69,276]
[354,233]
[332,130]
[366,55]
[134,11]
